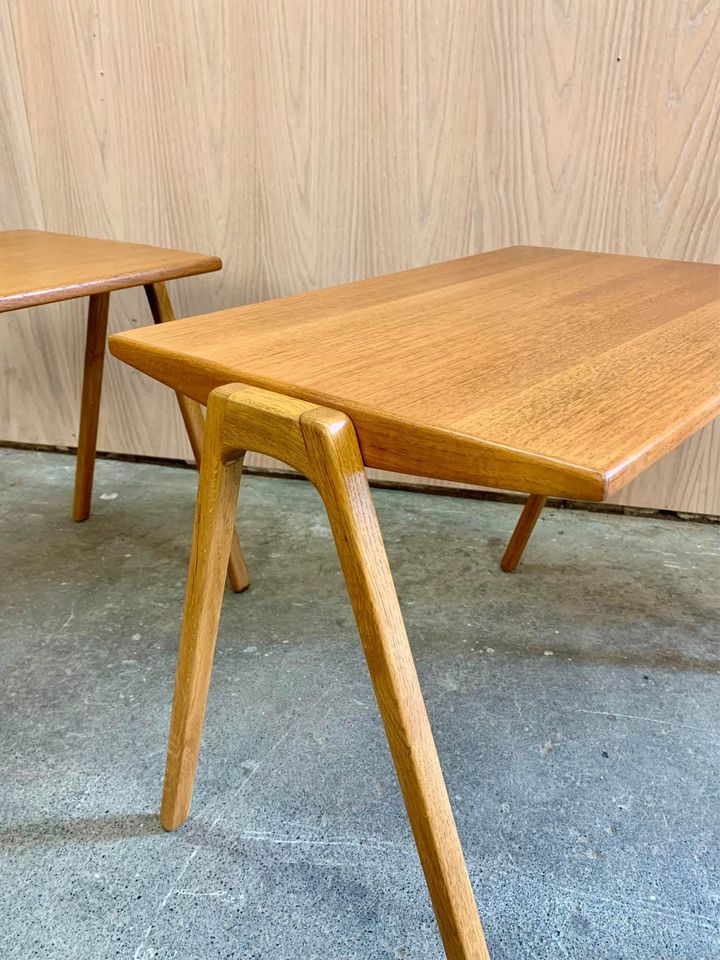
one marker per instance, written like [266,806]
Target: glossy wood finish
[90,404]
[38,267]
[522,533]
[322,444]
[549,371]
[162,312]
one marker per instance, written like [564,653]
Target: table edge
[386,442]
[123,281]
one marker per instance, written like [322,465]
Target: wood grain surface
[527,368]
[38,266]
[317,143]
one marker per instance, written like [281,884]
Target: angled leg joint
[301,434]
[321,444]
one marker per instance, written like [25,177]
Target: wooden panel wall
[311,142]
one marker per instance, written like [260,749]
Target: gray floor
[576,707]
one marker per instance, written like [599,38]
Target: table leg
[322,444]
[521,534]
[191,412]
[90,403]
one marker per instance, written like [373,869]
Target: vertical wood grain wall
[310,142]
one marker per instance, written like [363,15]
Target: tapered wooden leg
[321,444]
[521,534]
[212,536]
[90,403]
[162,312]
[342,482]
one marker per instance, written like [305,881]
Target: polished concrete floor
[575,703]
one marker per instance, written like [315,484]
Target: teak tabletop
[37,266]
[550,371]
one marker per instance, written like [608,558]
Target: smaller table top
[40,267]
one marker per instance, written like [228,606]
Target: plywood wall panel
[19,206]
[311,143]
[20,197]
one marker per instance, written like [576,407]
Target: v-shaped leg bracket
[321,444]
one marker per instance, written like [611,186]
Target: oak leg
[162,312]
[90,404]
[521,534]
[212,535]
[346,494]
[322,444]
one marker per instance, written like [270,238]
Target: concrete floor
[576,707]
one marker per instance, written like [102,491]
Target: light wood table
[548,371]
[38,267]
